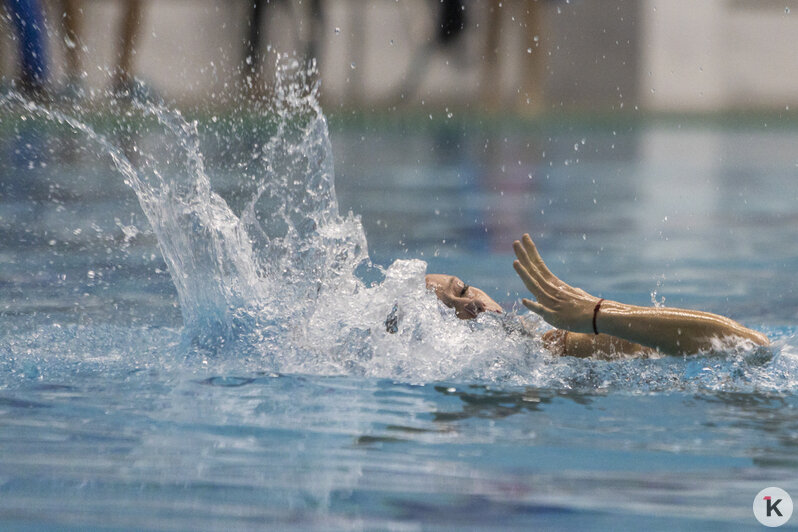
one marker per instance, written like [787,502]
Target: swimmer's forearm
[671,331]
[588,345]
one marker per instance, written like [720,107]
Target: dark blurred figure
[313,48]
[252,44]
[450,26]
[123,83]
[251,70]
[28,20]
[72,17]
[451,21]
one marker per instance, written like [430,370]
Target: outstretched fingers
[522,255]
[528,264]
[535,258]
[532,284]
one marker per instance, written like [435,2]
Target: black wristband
[595,314]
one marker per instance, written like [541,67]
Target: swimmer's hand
[671,331]
[559,303]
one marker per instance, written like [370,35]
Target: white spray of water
[277,283]
[275,286]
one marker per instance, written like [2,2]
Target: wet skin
[467,301]
[586,325]
[671,331]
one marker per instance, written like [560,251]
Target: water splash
[272,284]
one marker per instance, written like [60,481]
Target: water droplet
[337,30]
[529,50]
[352,65]
[536,38]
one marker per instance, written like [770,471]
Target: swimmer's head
[467,301]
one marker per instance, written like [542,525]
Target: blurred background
[650,137]
[517,56]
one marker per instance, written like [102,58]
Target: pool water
[238,376]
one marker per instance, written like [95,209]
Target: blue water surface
[110,418]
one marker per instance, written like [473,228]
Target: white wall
[718,54]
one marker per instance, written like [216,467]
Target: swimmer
[587,325]
[467,301]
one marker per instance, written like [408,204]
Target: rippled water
[239,374]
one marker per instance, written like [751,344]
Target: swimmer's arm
[668,330]
[563,343]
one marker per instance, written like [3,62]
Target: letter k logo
[772,506]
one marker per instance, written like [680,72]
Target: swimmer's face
[467,301]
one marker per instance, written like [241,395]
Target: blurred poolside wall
[663,55]
[719,54]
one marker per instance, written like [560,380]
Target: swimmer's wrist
[607,314]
